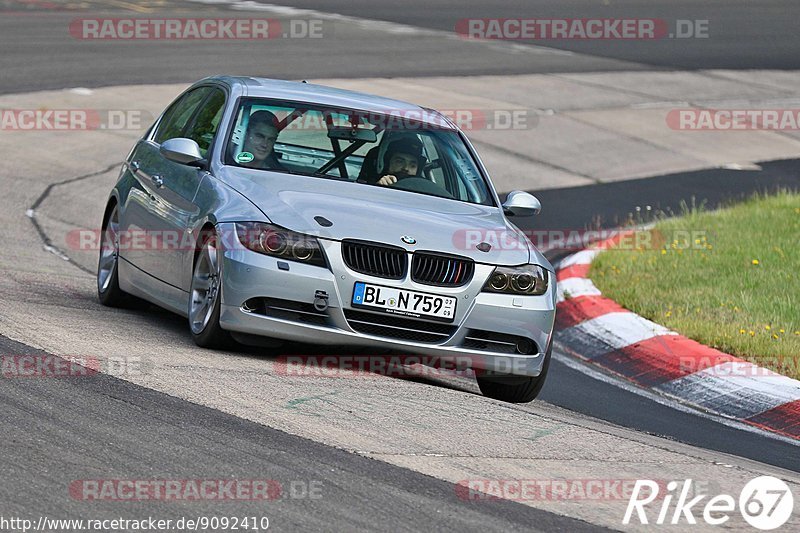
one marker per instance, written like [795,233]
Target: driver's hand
[387,180]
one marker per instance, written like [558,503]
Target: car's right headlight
[530,280]
[279,242]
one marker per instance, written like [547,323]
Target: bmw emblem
[408,240]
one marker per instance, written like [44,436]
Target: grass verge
[729,279]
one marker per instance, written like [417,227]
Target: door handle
[158,180]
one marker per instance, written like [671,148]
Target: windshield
[384,150]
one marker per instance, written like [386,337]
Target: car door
[167,189]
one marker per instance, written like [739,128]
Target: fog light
[526,346]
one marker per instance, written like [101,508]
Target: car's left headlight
[276,241]
[528,280]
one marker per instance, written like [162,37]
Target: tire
[108,291]
[205,296]
[511,388]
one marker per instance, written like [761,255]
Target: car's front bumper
[248,275]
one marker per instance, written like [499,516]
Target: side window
[206,121]
[178,115]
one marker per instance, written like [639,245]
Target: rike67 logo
[765,503]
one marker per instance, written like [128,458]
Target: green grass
[733,285]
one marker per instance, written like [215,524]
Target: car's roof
[330,96]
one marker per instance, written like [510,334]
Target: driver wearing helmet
[403,159]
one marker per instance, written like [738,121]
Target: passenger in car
[403,159]
[262,132]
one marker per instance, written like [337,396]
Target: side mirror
[522,204]
[183,151]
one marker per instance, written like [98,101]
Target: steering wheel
[422,185]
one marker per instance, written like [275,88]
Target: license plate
[402,302]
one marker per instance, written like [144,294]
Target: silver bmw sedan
[274,211]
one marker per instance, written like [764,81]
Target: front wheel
[204,297]
[511,388]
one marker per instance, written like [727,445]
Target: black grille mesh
[375,260]
[441,270]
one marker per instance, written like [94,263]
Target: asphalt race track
[742,35]
[385,454]
[200,441]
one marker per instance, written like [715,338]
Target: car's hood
[370,213]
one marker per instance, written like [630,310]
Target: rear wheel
[512,388]
[204,297]
[108,291]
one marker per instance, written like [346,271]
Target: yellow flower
[774,336]
[741,332]
[663,252]
[668,314]
[781,330]
[755,261]
[767,327]
[752,333]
